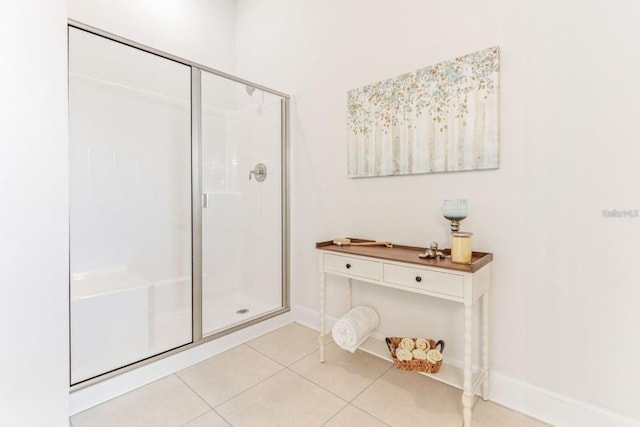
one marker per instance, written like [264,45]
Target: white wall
[199,30]
[564,283]
[34,373]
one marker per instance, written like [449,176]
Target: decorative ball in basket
[416,354]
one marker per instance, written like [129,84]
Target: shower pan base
[221,312]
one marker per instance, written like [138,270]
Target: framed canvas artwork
[442,118]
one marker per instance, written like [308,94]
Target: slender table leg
[322,315]
[467,394]
[349,291]
[485,345]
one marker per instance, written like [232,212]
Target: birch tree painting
[438,119]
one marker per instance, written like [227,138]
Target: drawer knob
[348,265]
[418,279]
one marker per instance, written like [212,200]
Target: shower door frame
[196,204]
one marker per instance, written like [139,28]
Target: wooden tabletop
[408,254]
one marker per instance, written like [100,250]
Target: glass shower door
[130,204]
[242,251]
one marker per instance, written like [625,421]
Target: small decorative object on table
[461,247]
[416,354]
[345,241]
[455,211]
[432,252]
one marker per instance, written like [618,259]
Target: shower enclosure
[178,204]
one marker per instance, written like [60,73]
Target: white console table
[401,268]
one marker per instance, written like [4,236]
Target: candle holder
[461,247]
[455,211]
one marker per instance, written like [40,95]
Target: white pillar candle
[461,247]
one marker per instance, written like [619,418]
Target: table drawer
[353,266]
[443,283]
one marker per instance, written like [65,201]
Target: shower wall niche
[172,244]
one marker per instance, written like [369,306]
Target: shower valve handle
[260,172]
[256,172]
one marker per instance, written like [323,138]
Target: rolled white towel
[407,344]
[403,354]
[434,356]
[355,327]
[419,354]
[423,344]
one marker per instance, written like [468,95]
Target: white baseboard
[551,407]
[88,397]
[537,402]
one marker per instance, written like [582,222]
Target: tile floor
[276,380]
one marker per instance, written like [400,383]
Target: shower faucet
[260,172]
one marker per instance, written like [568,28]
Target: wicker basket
[415,364]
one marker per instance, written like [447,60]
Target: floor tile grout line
[365,389]
[288,367]
[315,347]
[200,415]
[237,394]
[278,362]
[191,388]
[323,388]
[264,354]
[346,402]
[359,409]
[335,415]
[297,360]
[370,414]
[372,383]
[349,402]
[222,416]
[249,388]
[389,369]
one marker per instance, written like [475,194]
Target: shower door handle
[260,172]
